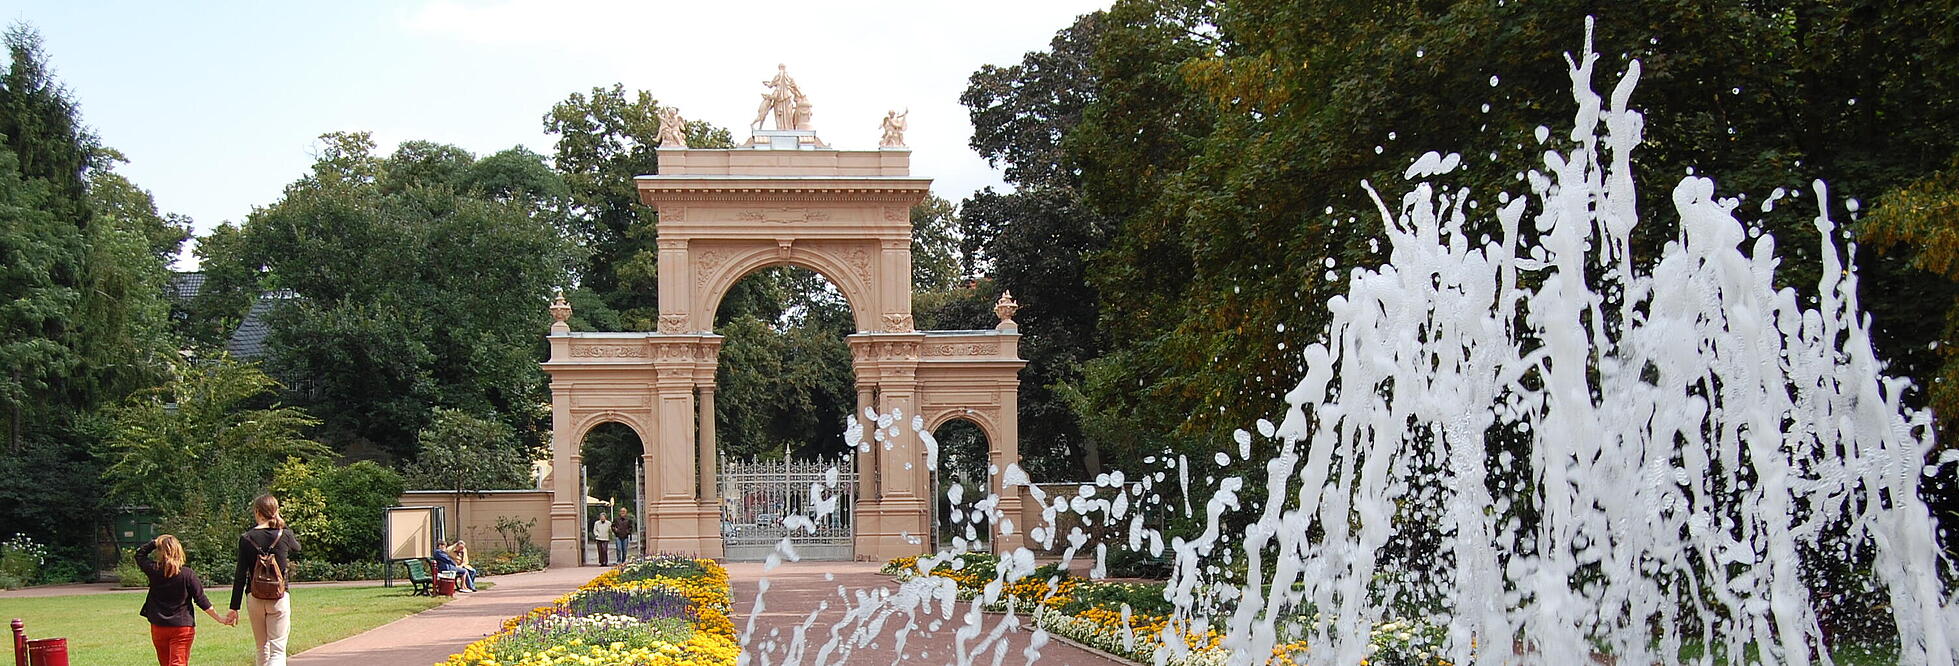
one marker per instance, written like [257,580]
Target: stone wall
[480,511]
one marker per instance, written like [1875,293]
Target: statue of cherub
[673,129]
[894,129]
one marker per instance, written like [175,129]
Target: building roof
[185,285]
[248,342]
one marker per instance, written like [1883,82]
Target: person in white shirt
[602,533]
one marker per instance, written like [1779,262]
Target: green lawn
[105,629]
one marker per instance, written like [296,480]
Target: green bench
[418,574]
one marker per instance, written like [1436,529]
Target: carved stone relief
[782,215]
[860,261]
[673,322]
[608,351]
[961,349]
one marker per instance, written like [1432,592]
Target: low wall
[479,512]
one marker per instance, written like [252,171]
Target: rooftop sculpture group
[786,101]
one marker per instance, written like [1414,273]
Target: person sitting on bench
[445,562]
[465,574]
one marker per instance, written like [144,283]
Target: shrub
[336,511]
[1125,563]
[20,561]
[529,558]
[321,570]
[516,535]
[357,495]
[65,570]
[1140,597]
[128,574]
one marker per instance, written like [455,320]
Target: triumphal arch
[785,197]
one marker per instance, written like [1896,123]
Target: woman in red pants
[173,587]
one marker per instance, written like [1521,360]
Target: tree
[1039,239]
[466,453]
[200,447]
[605,139]
[83,261]
[164,441]
[44,159]
[1920,221]
[1226,143]
[785,372]
[936,260]
[415,280]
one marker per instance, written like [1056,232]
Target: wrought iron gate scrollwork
[758,496]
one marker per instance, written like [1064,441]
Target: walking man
[622,533]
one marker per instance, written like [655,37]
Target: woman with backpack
[173,587]
[264,567]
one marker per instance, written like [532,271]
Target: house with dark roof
[249,340]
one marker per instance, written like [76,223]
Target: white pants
[271,621]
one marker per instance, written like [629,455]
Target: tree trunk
[13,421]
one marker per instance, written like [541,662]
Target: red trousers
[172,644]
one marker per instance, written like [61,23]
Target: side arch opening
[613,480]
[961,475]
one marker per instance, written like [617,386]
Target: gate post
[567,526]
[707,491]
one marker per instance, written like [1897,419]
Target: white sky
[217,105]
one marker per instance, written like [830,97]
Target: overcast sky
[217,105]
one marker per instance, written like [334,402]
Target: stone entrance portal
[783,199]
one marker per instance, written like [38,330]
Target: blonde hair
[266,509]
[170,553]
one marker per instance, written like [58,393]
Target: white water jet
[1600,459]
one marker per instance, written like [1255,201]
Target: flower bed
[1093,613]
[664,611]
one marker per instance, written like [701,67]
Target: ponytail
[266,508]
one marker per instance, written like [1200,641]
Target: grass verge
[105,629]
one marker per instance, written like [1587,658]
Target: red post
[20,643]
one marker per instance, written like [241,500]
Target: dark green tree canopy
[84,258]
[605,139]
[408,281]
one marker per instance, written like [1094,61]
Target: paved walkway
[432,635]
[796,591]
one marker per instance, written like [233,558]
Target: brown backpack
[268,580]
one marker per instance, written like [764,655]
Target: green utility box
[134,526]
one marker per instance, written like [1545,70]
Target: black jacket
[249,544]
[168,604]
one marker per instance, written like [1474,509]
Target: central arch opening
[784,385]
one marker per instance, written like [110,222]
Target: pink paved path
[795,590]
[432,635]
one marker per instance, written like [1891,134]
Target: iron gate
[759,497]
